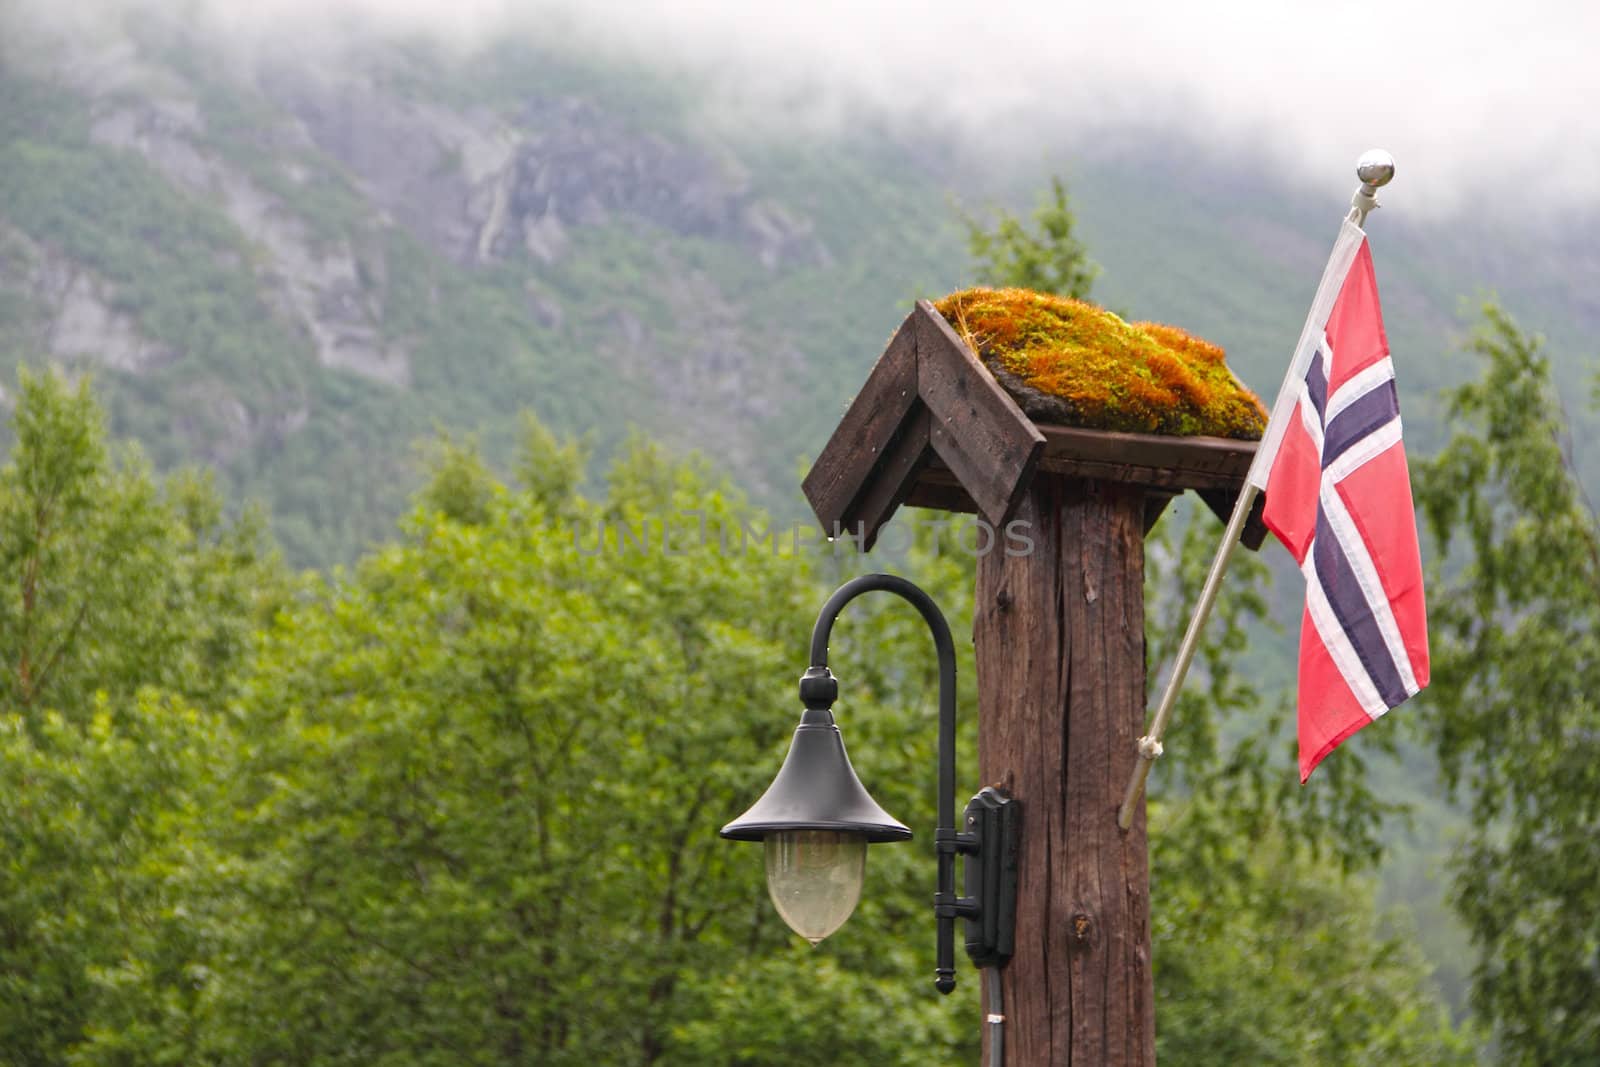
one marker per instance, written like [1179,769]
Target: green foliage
[1264,955]
[460,485]
[458,804]
[475,821]
[548,468]
[119,583]
[1515,623]
[96,852]
[1052,260]
[825,1013]
[120,586]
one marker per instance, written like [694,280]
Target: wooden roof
[932,428]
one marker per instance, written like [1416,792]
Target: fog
[1487,106]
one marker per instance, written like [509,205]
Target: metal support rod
[996,1020]
[1374,169]
[945,964]
[1150,744]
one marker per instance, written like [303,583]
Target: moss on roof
[1073,363]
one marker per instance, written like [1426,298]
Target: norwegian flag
[1339,498]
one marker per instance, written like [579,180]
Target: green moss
[1070,362]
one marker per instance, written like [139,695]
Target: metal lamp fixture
[817,818]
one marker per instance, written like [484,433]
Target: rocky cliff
[420,255]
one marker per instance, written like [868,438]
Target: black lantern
[817,818]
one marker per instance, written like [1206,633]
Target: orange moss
[1070,362]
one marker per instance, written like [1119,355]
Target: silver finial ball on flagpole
[1375,168]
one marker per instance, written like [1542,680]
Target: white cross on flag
[1339,498]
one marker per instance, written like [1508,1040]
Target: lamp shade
[816,789]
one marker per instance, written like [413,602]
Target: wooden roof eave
[932,428]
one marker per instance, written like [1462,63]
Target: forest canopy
[459,802]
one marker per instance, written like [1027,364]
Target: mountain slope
[290,267]
[292,278]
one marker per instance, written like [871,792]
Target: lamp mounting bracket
[991,832]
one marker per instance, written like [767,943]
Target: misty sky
[1481,103]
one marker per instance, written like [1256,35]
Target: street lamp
[817,819]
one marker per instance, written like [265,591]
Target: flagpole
[1375,168]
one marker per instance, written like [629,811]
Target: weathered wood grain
[893,480]
[1214,467]
[926,494]
[854,452]
[1059,635]
[1217,461]
[1136,474]
[977,430]
[1175,463]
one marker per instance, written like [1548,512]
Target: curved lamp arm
[947,906]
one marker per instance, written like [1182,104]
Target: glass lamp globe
[815,878]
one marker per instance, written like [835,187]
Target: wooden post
[1059,634]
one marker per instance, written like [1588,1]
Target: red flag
[1339,498]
